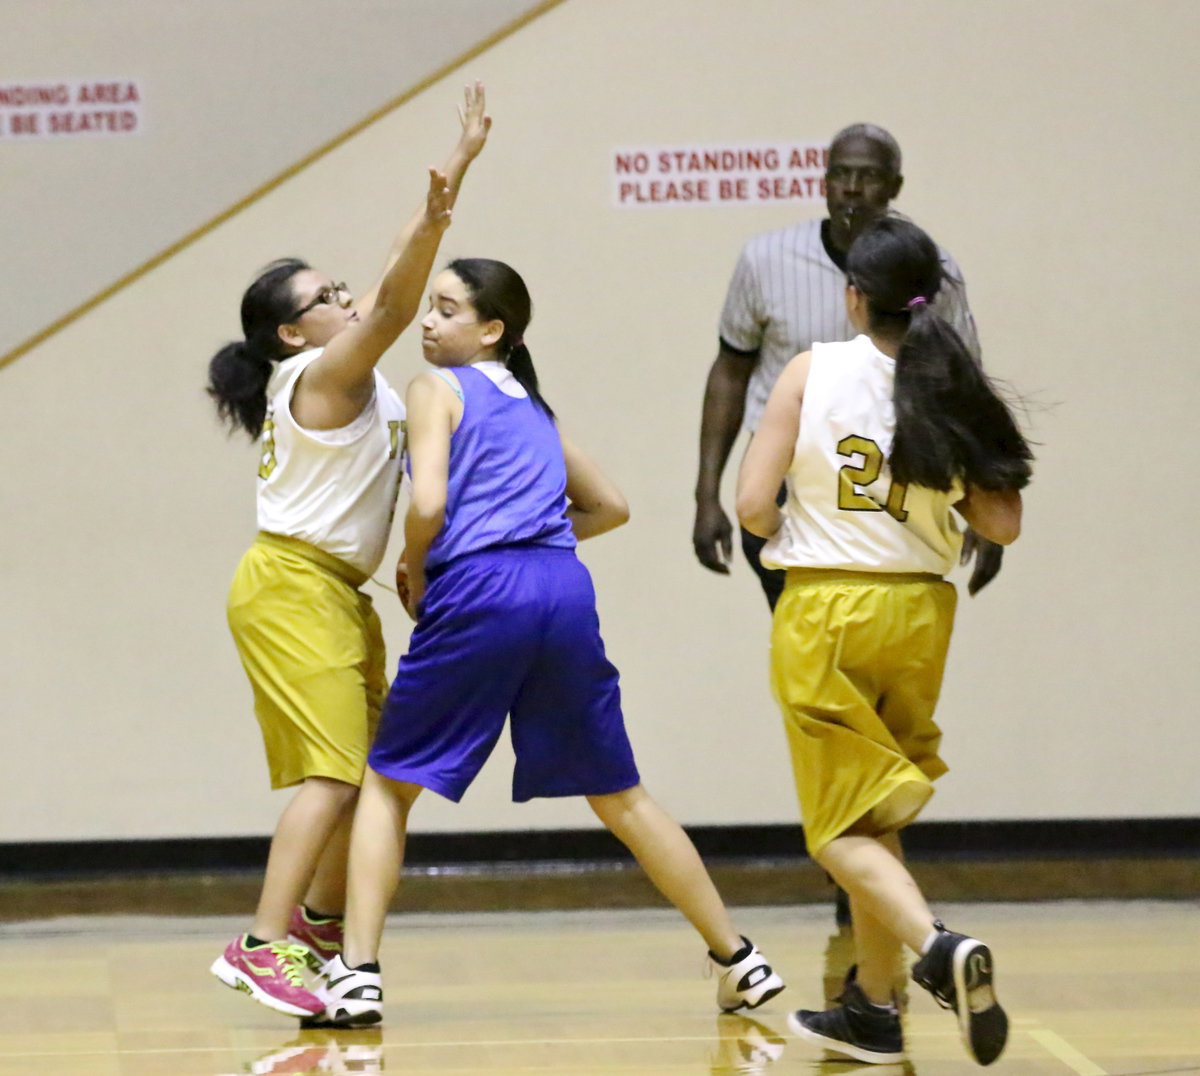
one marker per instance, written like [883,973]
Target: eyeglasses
[327,296]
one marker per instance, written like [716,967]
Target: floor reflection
[745,1045]
[323,1052]
[845,1067]
[839,959]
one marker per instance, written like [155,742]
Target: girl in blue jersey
[506,625]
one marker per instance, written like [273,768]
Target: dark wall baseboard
[1035,839]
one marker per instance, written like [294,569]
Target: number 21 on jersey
[861,475]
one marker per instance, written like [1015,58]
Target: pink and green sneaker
[272,973]
[323,937]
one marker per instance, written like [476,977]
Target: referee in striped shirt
[787,293]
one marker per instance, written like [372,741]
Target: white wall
[232,93]
[1047,145]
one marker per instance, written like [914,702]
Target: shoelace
[942,997]
[292,958]
[945,1000]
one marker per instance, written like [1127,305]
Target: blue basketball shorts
[509,631]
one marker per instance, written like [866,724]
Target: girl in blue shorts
[506,625]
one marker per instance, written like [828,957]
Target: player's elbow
[614,512]
[1006,531]
[994,514]
[426,512]
[757,516]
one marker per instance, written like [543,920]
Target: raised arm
[771,450]
[475,126]
[336,387]
[720,421]
[595,503]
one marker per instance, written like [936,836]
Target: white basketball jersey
[335,489]
[843,510]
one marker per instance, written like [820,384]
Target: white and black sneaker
[958,972]
[746,981]
[353,996]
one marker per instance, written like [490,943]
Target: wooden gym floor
[1092,987]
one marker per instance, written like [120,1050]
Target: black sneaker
[854,1028]
[957,971]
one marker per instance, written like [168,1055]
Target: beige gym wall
[1045,146]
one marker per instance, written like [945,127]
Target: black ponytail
[498,293]
[239,373]
[520,365]
[950,420]
[237,381]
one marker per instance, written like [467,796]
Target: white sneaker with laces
[746,983]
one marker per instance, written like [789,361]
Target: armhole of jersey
[288,390]
[452,381]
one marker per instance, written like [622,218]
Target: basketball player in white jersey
[786,294]
[887,442]
[304,383]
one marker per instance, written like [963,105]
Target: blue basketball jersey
[508,479]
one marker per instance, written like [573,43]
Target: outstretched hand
[475,121]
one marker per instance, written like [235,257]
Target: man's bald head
[872,133]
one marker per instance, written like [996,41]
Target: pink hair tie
[915,301]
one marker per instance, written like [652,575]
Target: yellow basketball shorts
[312,645]
[856,667]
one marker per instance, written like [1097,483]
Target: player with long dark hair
[304,383]
[886,441]
[506,626]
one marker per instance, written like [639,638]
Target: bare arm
[475,126]
[721,419]
[770,453]
[337,386]
[596,505]
[994,514]
[431,418]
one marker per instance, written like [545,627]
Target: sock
[252,942]
[741,954]
[373,966]
[928,943]
[890,1010]
[317,917]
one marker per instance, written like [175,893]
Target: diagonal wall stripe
[535,12]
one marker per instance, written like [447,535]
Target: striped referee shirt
[787,294]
